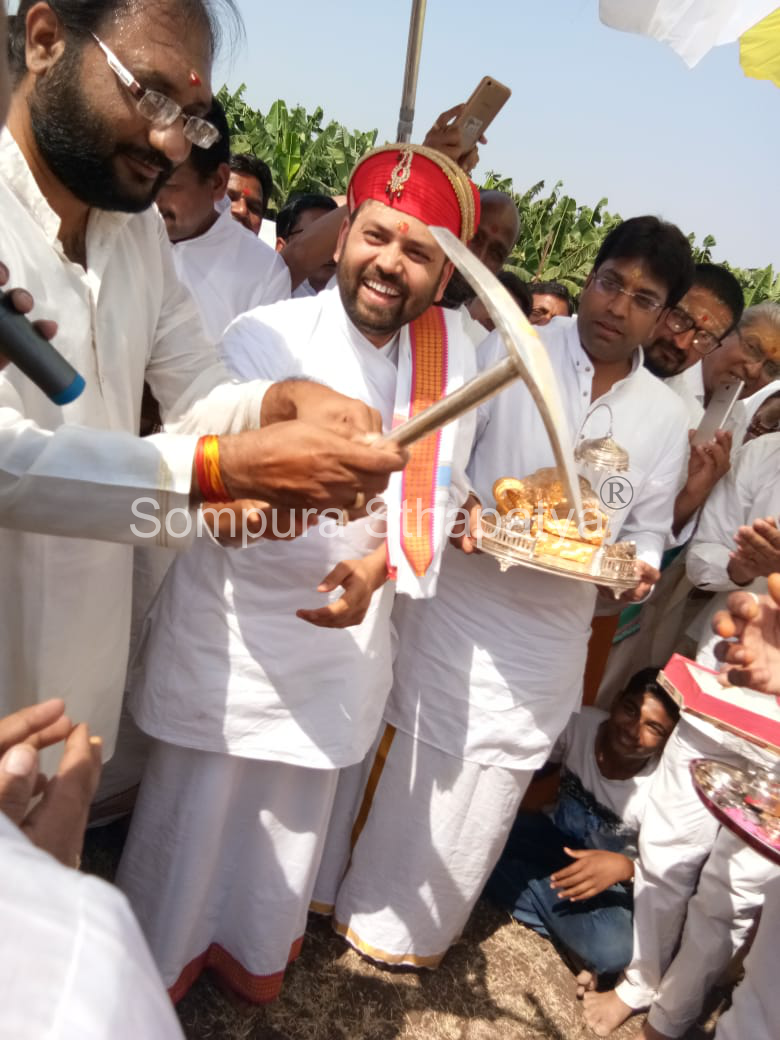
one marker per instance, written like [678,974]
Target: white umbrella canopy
[689,27]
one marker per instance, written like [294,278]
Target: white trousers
[428,834]
[678,835]
[220,864]
[755,1012]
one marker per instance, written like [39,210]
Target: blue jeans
[598,931]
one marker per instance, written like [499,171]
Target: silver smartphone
[718,411]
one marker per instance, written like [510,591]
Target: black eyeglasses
[160,110]
[704,342]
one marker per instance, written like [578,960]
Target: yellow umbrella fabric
[759,49]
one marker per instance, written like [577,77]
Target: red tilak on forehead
[403,227]
[195,79]
[246,193]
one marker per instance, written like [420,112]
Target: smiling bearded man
[255,713]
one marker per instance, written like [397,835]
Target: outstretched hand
[750,630]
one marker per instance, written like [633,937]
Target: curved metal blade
[526,349]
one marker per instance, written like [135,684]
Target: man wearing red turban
[267,670]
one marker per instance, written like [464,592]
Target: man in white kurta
[682,849]
[488,672]
[254,711]
[228,270]
[69,476]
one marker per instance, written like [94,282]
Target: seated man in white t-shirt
[567,874]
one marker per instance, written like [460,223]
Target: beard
[385,320]
[458,292]
[80,147]
[664,358]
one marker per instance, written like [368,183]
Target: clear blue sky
[608,113]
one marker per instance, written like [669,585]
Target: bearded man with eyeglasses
[693,330]
[108,98]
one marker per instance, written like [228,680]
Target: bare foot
[586,982]
[604,1012]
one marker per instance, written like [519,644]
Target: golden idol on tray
[533,525]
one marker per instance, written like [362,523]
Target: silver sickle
[526,359]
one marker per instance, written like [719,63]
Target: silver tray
[518,548]
[741,799]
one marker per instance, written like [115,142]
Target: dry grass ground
[500,982]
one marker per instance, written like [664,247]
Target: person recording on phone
[81,236]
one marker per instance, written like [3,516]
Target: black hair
[250,166]
[518,288]
[292,211]
[82,17]
[646,681]
[553,289]
[724,287]
[206,161]
[662,246]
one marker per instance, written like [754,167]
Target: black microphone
[35,356]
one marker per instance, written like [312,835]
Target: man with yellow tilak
[266,669]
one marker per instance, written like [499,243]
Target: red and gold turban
[420,182]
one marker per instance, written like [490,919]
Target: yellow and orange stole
[419,499]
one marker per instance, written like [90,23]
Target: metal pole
[413,52]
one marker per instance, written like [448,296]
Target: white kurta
[491,669]
[72,474]
[230,271]
[73,962]
[223,635]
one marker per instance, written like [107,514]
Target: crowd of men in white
[344,721]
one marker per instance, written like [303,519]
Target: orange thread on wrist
[212,487]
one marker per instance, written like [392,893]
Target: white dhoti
[719,919]
[220,864]
[413,880]
[755,1012]
[678,835]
